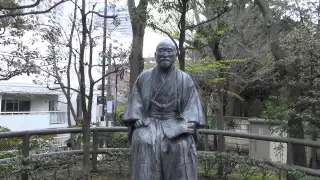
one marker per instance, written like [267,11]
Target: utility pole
[104,54]
[109,116]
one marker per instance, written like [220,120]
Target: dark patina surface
[163,111]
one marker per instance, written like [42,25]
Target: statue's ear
[155,54]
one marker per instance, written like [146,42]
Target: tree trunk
[231,101]
[220,123]
[69,105]
[82,87]
[86,146]
[136,56]
[138,16]
[182,38]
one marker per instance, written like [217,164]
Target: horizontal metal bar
[261,137]
[235,118]
[308,171]
[59,131]
[125,129]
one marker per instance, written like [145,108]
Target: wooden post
[220,150]
[289,154]
[206,137]
[290,160]
[95,146]
[220,125]
[25,153]
[314,150]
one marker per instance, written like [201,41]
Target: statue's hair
[167,41]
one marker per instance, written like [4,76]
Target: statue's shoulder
[145,74]
[186,79]
[184,75]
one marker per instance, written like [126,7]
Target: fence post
[25,153]
[289,153]
[290,160]
[95,146]
[314,158]
[220,150]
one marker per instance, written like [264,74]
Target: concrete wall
[259,149]
[278,151]
[274,151]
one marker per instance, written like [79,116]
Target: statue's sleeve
[134,107]
[193,109]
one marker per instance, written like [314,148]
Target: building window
[52,106]
[15,106]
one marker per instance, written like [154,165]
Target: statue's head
[166,54]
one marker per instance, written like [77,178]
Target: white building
[30,107]
[27,106]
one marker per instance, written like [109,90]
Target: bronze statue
[162,113]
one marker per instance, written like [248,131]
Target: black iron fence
[95,150]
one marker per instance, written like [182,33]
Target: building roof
[16,88]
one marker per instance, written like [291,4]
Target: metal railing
[25,135]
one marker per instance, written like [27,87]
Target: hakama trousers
[156,157]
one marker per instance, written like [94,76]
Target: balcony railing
[31,120]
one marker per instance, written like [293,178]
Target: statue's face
[166,54]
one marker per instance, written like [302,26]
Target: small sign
[101,100]
[109,107]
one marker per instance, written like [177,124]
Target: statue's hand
[191,127]
[138,124]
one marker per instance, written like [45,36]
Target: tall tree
[65,59]
[294,53]
[138,16]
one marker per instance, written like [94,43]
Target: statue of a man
[163,111]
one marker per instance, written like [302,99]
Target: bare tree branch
[91,42]
[35,12]
[70,45]
[100,15]
[104,76]
[62,86]
[207,21]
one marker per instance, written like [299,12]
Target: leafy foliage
[15,57]
[117,161]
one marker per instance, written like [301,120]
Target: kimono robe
[162,149]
